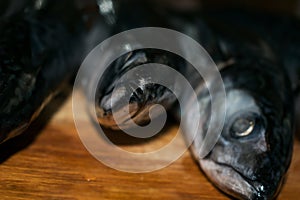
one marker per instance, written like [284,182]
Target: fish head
[254,150]
[132,105]
[128,93]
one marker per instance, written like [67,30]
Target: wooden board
[50,162]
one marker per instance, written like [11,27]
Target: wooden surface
[50,162]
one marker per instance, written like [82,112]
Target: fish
[254,151]
[8,8]
[260,71]
[261,74]
[37,56]
[260,68]
[143,93]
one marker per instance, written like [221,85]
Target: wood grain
[50,162]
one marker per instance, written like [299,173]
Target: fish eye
[244,125]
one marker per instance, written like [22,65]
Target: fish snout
[127,107]
[260,196]
[269,182]
[109,109]
[266,191]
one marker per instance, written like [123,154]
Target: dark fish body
[37,51]
[279,32]
[11,7]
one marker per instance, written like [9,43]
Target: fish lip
[257,185]
[126,122]
[121,125]
[248,180]
[255,192]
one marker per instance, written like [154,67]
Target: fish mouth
[234,183]
[137,114]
